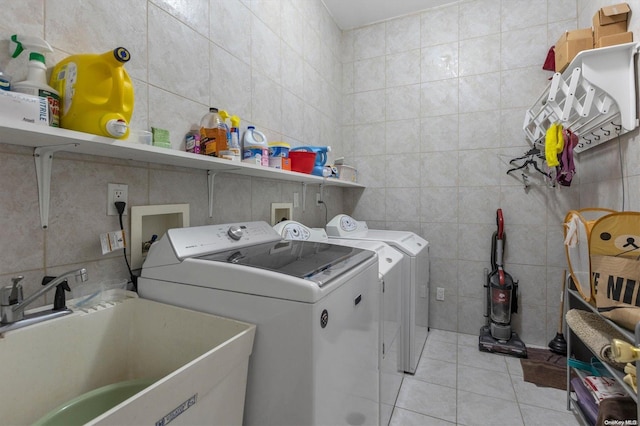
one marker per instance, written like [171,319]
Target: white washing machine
[389,284]
[415,291]
[314,360]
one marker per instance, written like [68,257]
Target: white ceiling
[350,14]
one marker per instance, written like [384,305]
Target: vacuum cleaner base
[514,346]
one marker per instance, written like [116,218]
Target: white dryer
[314,360]
[415,291]
[390,269]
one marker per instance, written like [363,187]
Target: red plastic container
[302,161]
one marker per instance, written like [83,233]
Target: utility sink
[133,361]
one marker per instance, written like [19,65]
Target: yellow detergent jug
[96,93]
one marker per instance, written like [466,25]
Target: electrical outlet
[116,192]
[440,293]
[317,199]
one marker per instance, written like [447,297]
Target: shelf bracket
[210,185]
[43,157]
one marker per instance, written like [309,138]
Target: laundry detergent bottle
[96,92]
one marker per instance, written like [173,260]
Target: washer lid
[406,241]
[388,257]
[317,262]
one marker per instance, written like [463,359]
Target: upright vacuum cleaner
[502,300]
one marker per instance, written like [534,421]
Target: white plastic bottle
[36,82]
[256,147]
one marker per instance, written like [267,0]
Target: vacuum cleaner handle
[500,223]
[500,246]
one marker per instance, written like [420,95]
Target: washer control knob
[234,232]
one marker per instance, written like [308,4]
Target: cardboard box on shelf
[286,164]
[612,40]
[610,20]
[569,44]
[283,163]
[23,107]
[611,14]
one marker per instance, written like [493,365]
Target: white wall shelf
[48,140]
[595,97]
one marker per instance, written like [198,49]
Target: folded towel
[596,333]
[614,411]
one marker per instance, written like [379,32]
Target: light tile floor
[455,383]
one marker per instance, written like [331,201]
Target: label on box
[23,107]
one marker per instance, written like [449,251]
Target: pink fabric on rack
[567,167]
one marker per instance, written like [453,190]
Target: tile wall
[274,63]
[429,107]
[434,104]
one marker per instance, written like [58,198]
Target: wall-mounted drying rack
[595,97]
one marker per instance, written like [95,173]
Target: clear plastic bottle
[213,133]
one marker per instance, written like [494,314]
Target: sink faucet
[12,304]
